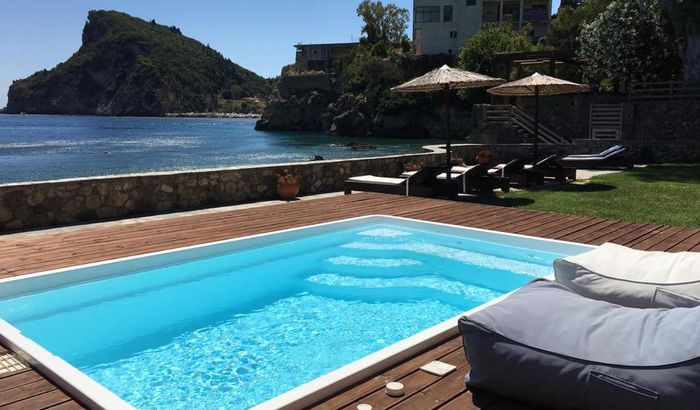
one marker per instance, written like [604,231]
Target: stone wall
[43,204]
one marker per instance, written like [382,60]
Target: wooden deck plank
[41,401]
[397,372]
[461,402]
[18,378]
[672,241]
[60,248]
[25,391]
[690,242]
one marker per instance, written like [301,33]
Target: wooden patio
[22,254]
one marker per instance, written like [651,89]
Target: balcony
[535,15]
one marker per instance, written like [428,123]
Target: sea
[48,147]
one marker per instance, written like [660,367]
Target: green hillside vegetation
[128,66]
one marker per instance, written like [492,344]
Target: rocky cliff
[128,66]
[323,102]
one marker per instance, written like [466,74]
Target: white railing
[508,114]
[605,121]
[664,90]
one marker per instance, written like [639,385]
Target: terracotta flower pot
[288,190]
[483,160]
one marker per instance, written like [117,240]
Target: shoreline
[210,115]
[166,115]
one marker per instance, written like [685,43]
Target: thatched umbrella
[445,79]
[535,86]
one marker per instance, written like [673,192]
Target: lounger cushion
[600,158]
[378,180]
[608,151]
[548,346]
[633,278]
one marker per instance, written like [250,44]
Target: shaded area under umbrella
[535,86]
[446,79]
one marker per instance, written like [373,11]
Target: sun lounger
[421,183]
[462,173]
[547,346]
[613,157]
[386,185]
[633,278]
[517,172]
[549,167]
[476,179]
[600,154]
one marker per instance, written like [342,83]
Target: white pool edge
[93,394]
[80,386]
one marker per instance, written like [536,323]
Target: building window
[511,11]
[447,14]
[471,2]
[491,12]
[427,14]
[536,12]
[453,34]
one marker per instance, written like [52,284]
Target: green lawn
[663,194]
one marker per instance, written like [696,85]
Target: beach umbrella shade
[537,85]
[446,79]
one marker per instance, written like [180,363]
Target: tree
[630,41]
[479,51]
[570,3]
[685,19]
[383,24]
[571,18]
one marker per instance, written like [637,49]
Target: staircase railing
[508,114]
[664,90]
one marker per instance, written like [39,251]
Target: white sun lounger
[374,180]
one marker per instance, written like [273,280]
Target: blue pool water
[234,330]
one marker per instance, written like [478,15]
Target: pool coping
[92,393]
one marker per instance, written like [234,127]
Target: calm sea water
[38,147]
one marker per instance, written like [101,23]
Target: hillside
[128,66]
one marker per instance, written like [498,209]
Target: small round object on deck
[364,406]
[394,389]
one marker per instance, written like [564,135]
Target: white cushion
[633,278]
[378,180]
[621,262]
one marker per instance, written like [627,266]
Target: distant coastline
[233,115]
[211,115]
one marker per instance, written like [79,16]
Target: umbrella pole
[537,120]
[447,133]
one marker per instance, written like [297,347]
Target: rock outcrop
[316,103]
[128,66]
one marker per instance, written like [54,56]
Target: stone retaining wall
[43,204]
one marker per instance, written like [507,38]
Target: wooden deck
[53,249]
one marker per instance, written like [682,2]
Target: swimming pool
[236,323]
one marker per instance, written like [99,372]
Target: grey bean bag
[633,278]
[547,346]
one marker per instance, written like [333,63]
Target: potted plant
[412,166]
[483,157]
[456,161]
[287,186]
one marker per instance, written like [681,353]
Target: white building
[442,26]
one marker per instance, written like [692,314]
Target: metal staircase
[523,123]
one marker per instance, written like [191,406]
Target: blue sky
[38,34]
